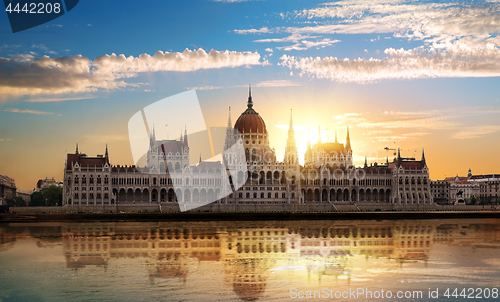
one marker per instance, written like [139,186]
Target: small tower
[250,102]
[291,146]
[76,152]
[185,135]
[348,141]
[366,162]
[423,159]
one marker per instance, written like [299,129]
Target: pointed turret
[423,158]
[399,154]
[106,154]
[230,133]
[185,135]
[76,152]
[181,139]
[250,102]
[200,158]
[348,141]
[336,136]
[291,146]
[366,162]
[387,160]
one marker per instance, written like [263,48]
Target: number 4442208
[472,293]
[34,8]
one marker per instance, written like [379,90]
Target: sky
[400,74]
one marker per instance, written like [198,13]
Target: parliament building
[327,177]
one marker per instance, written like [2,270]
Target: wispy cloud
[6,139]
[263,30]
[16,110]
[105,138]
[402,64]
[45,100]
[45,75]
[476,131]
[269,84]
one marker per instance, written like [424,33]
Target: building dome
[250,121]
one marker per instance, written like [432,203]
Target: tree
[37,199]
[473,199]
[484,201]
[53,196]
[18,202]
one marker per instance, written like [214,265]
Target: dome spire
[250,102]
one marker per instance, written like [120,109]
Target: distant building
[488,186]
[24,194]
[455,190]
[440,190]
[43,184]
[7,189]
[327,177]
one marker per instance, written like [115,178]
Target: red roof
[250,122]
[84,161]
[407,165]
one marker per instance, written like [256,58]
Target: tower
[348,141]
[291,146]
[423,159]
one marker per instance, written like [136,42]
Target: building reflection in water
[251,252]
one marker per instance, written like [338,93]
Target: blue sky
[409,74]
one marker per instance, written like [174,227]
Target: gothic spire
[336,136]
[366,162]
[106,154]
[185,134]
[348,141]
[291,146]
[423,156]
[229,118]
[250,102]
[76,152]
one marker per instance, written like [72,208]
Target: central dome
[250,121]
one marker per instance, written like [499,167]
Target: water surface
[264,260]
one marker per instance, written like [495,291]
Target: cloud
[268,84]
[291,38]
[305,44]
[6,139]
[25,75]
[301,42]
[105,138]
[402,64]
[343,116]
[416,122]
[405,19]
[269,50]
[476,131]
[119,66]
[45,100]
[400,137]
[27,111]
[277,83]
[263,30]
